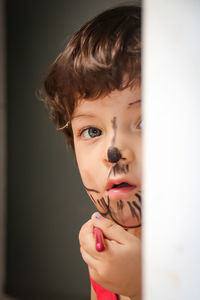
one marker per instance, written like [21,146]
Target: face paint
[114,154]
[119,169]
[124,212]
[91,190]
[114,126]
[110,162]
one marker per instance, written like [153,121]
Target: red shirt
[102,294]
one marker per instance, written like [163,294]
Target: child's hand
[118,267]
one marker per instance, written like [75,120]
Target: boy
[93,90]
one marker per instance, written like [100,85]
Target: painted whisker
[91,190]
[137,206]
[132,209]
[139,197]
[93,200]
[120,204]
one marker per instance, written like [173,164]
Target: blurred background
[42,201]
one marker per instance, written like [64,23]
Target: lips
[119,188]
[121,185]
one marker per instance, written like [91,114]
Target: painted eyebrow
[133,103]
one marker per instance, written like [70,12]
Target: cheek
[87,177]
[86,169]
[139,158]
[88,161]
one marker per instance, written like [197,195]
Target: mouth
[121,185]
[116,189]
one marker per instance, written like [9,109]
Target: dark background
[46,203]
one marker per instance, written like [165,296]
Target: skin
[99,126]
[118,267]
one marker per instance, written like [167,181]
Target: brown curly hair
[104,55]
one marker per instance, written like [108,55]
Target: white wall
[172,149]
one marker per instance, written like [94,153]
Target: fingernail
[98,216]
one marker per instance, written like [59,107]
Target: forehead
[115,101]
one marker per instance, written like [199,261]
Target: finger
[86,234]
[110,229]
[89,260]
[90,240]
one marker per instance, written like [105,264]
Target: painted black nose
[114,154]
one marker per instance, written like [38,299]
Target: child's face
[107,138]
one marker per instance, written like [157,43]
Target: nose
[119,147]
[114,155]
[120,153]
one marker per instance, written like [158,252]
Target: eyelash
[85,130]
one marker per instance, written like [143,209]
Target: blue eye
[91,132]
